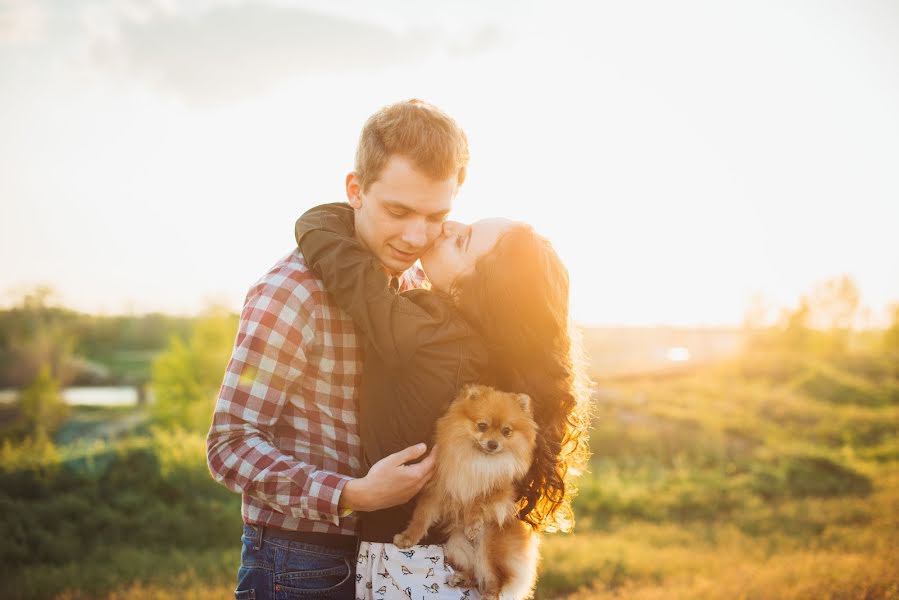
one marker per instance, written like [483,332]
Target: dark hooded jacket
[419,350]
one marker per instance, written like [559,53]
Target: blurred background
[720,178]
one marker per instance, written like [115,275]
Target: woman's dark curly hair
[517,298]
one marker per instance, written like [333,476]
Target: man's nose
[416,234]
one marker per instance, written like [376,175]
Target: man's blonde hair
[418,131]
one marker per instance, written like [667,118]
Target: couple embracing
[350,362]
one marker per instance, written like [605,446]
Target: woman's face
[458,248]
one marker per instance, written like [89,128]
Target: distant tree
[834,304]
[187,376]
[41,405]
[796,333]
[79,347]
[34,335]
[823,321]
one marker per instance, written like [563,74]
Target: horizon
[866,322]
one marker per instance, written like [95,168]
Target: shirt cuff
[324,496]
[345,511]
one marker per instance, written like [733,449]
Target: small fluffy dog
[485,444]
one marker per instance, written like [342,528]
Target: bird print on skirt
[385,572]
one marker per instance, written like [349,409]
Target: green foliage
[827,323]
[891,340]
[35,336]
[136,573]
[87,423]
[41,405]
[750,442]
[804,476]
[35,332]
[187,376]
[828,382]
[100,336]
[772,475]
[147,492]
[35,454]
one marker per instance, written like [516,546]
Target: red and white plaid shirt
[284,432]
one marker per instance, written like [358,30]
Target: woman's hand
[390,482]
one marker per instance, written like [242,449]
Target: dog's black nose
[492,445]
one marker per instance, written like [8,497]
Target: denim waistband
[342,543]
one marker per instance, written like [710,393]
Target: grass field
[760,478]
[715,485]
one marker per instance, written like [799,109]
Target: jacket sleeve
[394,324]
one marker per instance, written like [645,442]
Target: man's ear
[353,190]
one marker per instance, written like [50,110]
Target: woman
[497,315]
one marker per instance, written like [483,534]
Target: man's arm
[275,334]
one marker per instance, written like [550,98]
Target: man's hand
[390,481]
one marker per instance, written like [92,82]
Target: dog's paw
[472,532]
[489,596]
[459,579]
[401,540]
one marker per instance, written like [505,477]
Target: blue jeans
[272,568]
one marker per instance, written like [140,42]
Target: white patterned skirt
[385,572]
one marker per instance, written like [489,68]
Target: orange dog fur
[485,443]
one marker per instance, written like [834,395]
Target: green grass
[730,482]
[719,484]
[129,571]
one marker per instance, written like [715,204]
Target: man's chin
[396,266]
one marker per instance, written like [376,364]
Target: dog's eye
[482,426]
[507,432]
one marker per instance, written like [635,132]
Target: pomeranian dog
[485,444]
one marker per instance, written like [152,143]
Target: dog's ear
[525,401]
[471,391]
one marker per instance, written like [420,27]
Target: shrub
[187,376]
[801,476]
[827,382]
[41,404]
[151,492]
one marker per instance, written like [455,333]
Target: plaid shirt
[284,432]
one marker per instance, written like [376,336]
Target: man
[284,432]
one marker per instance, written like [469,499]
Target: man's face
[402,213]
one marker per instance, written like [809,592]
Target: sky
[684,158]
